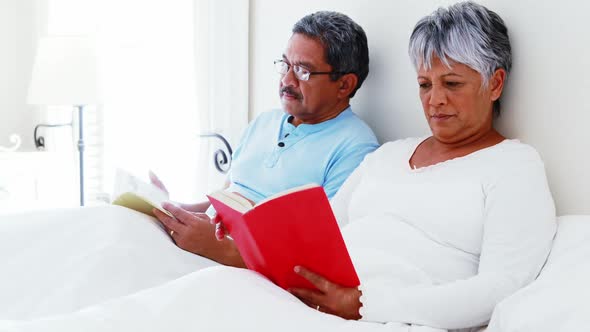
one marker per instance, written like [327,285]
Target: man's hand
[331,298]
[195,233]
[220,232]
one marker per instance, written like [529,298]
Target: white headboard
[546,102]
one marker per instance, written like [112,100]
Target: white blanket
[58,261]
[111,269]
[192,304]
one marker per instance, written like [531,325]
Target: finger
[171,224]
[317,280]
[216,219]
[179,213]
[308,295]
[219,232]
[318,307]
[202,217]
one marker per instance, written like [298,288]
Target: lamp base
[81,150]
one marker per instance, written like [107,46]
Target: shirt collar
[305,129]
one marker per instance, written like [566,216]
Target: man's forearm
[229,254]
[201,241]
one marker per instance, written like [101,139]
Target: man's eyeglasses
[302,73]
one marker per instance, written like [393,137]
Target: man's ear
[496,84]
[347,83]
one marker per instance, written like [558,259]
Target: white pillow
[559,300]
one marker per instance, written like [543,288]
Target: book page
[288,191]
[232,200]
[134,193]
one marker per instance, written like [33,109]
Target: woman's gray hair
[344,41]
[466,33]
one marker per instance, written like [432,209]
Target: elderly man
[315,137]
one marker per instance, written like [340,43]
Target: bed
[118,270]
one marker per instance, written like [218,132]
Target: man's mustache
[289,90]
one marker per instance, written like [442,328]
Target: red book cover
[293,228]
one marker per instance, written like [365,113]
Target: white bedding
[82,257]
[112,269]
[559,300]
[179,306]
[117,270]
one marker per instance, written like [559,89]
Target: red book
[295,227]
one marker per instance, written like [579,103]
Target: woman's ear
[496,84]
[347,83]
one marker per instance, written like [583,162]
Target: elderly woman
[440,228]
[466,211]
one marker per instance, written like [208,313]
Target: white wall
[545,103]
[17,34]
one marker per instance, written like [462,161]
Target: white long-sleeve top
[441,245]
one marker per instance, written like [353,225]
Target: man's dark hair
[344,41]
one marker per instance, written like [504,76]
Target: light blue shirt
[274,155]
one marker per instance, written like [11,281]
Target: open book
[295,227]
[136,194]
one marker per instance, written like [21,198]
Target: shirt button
[281,144]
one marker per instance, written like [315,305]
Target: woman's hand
[331,298]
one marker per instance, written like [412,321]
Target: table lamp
[65,73]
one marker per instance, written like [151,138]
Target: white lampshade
[65,72]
